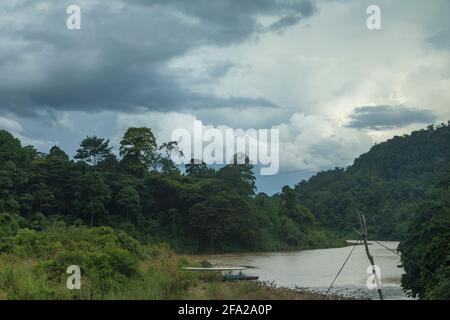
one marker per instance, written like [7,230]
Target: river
[314,270]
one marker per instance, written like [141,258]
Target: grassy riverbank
[113,265]
[158,280]
[250,290]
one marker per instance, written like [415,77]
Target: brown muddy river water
[314,270]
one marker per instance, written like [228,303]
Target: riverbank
[210,286]
[160,279]
[251,290]
[112,265]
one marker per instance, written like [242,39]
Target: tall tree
[138,149]
[239,175]
[10,148]
[198,168]
[57,154]
[93,150]
[166,150]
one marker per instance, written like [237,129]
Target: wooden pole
[362,222]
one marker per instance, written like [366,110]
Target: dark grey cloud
[285,22]
[220,69]
[118,60]
[236,20]
[387,117]
[441,38]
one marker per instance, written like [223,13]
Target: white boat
[353,242]
[215,268]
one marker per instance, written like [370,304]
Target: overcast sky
[310,68]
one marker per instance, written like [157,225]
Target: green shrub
[113,265]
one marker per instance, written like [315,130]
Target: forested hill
[385,184]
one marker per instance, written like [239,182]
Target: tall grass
[113,266]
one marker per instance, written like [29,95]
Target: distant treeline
[143,193]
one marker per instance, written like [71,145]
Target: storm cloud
[387,117]
[298,65]
[119,58]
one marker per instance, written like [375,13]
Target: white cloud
[313,143]
[10,125]
[15,128]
